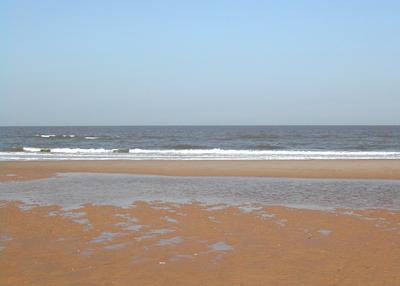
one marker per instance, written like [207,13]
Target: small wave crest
[46,135]
[67,136]
[55,136]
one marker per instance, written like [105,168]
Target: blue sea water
[199,142]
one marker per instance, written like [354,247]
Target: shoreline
[169,243]
[307,169]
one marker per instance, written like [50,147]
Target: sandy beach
[191,244]
[340,169]
[161,243]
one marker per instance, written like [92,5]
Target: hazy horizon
[210,125]
[97,63]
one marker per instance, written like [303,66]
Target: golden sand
[356,169]
[194,244]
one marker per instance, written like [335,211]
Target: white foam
[79,150]
[46,135]
[34,153]
[31,149]
[54,135]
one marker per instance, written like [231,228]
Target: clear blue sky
[81,62]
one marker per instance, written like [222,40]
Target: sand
[158,243]
[192,244]
[355,169]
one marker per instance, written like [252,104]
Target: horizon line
[202,125]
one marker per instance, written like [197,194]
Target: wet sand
[194,244]
[160,243]
[342,169]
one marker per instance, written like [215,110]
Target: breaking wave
[68,136]
[54,136]
[35,153]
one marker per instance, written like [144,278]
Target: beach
[339,169]
[200,143]
[168,241]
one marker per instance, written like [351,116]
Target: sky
[83,62]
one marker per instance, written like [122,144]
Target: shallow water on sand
[72,190]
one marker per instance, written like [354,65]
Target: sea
[199,142]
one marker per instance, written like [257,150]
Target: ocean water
[200,142]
